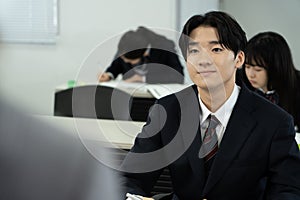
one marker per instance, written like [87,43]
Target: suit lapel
[189,128]
[239,128]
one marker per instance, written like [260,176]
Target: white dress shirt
[222,114]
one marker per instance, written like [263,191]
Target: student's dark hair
[132,45]
[230,33]
[271,51]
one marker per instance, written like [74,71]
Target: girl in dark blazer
[270,71]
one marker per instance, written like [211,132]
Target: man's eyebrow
[214,42]
[192,43]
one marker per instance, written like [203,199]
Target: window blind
[28,21]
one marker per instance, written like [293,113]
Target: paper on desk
[161,90]
[123,85]
[156,90]
[297,138]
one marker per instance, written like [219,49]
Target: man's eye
[217,50]
[193,51]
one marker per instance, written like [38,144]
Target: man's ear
[240,59]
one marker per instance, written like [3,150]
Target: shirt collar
[267,92]
[224,112]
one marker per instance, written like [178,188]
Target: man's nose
[204,59]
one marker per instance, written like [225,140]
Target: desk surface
[112,133]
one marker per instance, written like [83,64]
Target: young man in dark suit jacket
[255,156]
[145,56]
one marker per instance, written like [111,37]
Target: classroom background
[29,73]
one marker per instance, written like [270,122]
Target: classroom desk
[142,98]
[110,133]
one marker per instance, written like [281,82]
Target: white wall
[268,15]
[30,73]
[187,9]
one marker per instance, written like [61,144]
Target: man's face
[210,65]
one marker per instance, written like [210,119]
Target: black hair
[132,45]
[230,33]
[271,51]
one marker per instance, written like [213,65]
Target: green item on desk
[71,83]
[299,146]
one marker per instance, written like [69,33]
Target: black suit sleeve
[118,66]
[140,164]
[284,162]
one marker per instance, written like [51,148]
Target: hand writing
[103,77]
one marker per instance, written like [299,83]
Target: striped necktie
[209,146]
